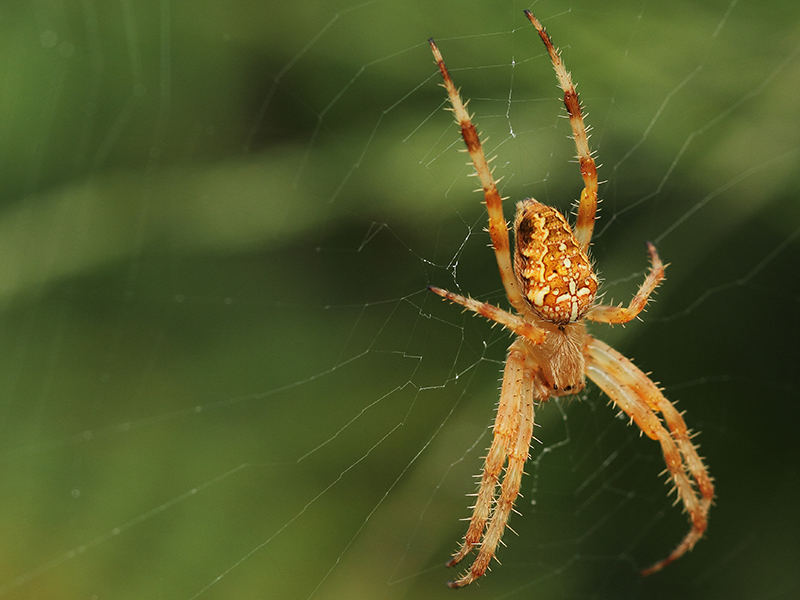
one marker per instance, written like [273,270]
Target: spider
[552,287]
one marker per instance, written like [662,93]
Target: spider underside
[552,287]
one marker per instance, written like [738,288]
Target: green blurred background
[221,375]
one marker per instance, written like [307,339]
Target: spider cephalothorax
[552,287]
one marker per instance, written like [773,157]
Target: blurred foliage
[222,375]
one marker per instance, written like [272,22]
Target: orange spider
[552,287]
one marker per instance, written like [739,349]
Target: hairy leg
[505,430]
[508,320]
[633,392]
[498,229]
[517,445]
[619,314]
[587,207]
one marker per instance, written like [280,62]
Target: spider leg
[505,431]
[633,392]
[513,430]
[508,320]
[587,208]
[498,229]
[618,314]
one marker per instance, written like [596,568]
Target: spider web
[222,373]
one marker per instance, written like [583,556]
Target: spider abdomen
[554,273]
